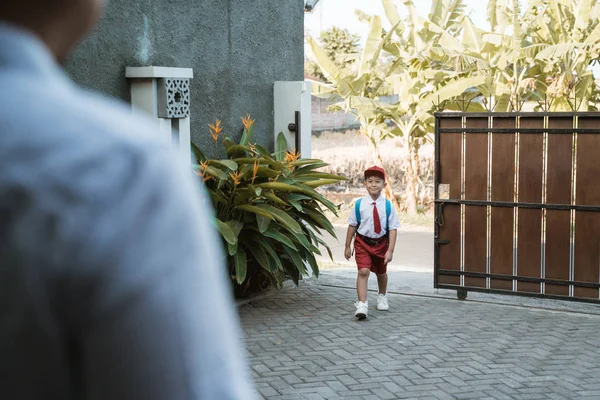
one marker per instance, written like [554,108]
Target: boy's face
[374,185]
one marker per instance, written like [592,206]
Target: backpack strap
[388,211]
[357,212]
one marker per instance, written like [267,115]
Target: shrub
[268,211]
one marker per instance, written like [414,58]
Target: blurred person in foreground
[111,277]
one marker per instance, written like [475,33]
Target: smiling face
[374,185]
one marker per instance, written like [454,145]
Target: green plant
[268,211]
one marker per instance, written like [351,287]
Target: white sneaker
[382,302]
[362,309]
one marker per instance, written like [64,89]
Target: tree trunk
[389,191]
[411,178]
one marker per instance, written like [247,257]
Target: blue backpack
[388,210]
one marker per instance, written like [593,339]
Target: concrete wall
[237,49]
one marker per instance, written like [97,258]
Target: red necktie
[376,221]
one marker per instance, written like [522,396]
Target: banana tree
[565,40]
[420,50]
[542,54]
[359,90]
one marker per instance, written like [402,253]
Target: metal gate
[518,203]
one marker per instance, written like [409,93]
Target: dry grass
[348,155]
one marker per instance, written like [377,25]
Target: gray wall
[237,49]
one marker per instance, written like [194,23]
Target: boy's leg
[380,269]
[362,283]
[382,281]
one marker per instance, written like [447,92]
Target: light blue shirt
[112,280]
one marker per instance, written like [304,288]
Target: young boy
[375,240]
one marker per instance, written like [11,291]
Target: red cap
[375,170]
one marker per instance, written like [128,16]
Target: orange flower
[247,121]
[254,170]
[253,150]
[292,157]
[202,173]
[236,177]
[215,130]
[204,165]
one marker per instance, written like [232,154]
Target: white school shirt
[367,227]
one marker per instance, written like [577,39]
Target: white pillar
[164,93]
[289,98]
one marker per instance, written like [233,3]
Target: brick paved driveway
[304,343]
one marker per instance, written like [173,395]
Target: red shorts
[370,256]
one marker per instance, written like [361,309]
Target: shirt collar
[379,199]
[22,50]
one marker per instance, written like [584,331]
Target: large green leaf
[323,90]
[247,135]
[324,244]
[272,163]
[273,254]
[197,152]
[225,163]
[310,257]
[557,51]
[273,233]
[294,199]
[296,260]
[328,67]
[226,231]
[263,223]
[237,151]
[216,172]
[255,210]
[308,168]
[280,147]
[393,16]
[282,217]
[265,172]
[321,182]
[232,248]
[272,197]
[236,226]
[451,90]
[287,188]
[241,265]
[320,175]
[320,220]
[259,254]
[370,47]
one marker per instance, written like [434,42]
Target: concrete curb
[268,293]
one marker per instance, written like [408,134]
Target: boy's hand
[348,252]
[389,255]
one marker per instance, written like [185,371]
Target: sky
[340,13]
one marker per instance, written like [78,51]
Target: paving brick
[303,343]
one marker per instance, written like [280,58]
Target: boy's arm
[349,235]
[391,246]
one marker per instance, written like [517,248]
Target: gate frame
[462,290]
